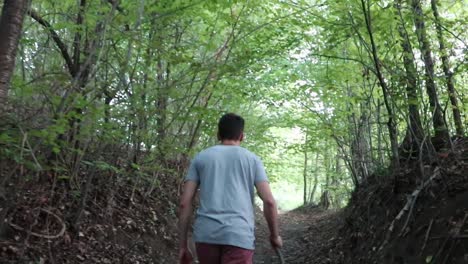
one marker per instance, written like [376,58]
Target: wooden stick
[280,255]
[454,237]
[427,235]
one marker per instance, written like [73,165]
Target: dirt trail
[309,236]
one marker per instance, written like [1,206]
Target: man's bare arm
[270,211]
[185,211]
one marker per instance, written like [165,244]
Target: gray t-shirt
[226,177]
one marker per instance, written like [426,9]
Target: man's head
[231,127]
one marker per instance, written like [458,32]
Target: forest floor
[308,235]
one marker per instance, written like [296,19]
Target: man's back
[226,175]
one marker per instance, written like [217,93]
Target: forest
[358,109]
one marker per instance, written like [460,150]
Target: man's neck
[230,142]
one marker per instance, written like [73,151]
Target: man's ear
[241,138]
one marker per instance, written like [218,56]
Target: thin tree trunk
[353,132]
[11,24]
[448,74]
[379,135]
[391,124]
[314,189]
[440,129]
[369,136]
[338,176]
[324,198]
[107,106]
[363,144]
[415,133]
[305,167]
[161,108]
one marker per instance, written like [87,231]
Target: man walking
[226,175]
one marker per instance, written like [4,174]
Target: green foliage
[155,76]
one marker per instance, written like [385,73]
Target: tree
[11,24]
[391,124]
[440,128]
[414,133]
[306,160]
[447,72]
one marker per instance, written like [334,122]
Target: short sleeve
[260,174]
[192,174]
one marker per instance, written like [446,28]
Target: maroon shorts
[223,254]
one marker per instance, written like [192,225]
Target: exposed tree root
[409,207]
[59,220]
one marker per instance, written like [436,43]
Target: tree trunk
[11,24]
[325,197]
[325,200]
[415,134]
[448,74]
[380,152]
[316,171]
[161,108]
[305,167]
[440,128]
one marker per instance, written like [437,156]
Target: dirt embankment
[413,218]
[118,224]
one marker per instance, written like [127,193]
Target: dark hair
[230,126]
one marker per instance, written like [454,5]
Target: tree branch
[60,45]
[115,3]
[77,39]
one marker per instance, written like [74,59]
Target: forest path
[308,236]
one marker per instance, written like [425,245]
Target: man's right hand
[184,256]
[276,241]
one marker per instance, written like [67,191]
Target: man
[226,175]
